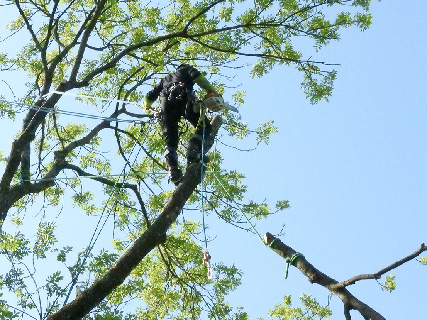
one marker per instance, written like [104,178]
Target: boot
[175,173]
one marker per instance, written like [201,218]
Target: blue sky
[354,171]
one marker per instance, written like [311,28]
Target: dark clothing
[176,91]
[185,74]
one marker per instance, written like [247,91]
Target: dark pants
[176,104]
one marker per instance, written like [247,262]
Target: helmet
[215,103]
[183,65]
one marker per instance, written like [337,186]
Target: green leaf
[45,238]
[389,283]
[282,205]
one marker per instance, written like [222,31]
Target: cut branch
[316,276]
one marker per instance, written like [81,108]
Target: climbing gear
[175,173]
[207,262]
[177,90]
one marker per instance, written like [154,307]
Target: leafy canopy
[107,49]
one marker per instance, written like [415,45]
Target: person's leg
[169,122]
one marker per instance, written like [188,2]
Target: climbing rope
[206,255]
[93,176]
[68,113]
[99,227]
[291,261]
[237,204]
[202,115]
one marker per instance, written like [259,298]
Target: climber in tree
[176,94]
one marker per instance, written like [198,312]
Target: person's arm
[151,96]
[146,104]
[206,85]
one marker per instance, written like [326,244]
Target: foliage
[107,52]
[311,310]
[389,283]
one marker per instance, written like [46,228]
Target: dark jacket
[185,74]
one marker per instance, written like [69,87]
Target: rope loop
[291,261]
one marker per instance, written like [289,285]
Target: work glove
[146,103]
[211,94]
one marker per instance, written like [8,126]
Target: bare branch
[378,275]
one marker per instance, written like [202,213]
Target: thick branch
[10,195]
[153,236]
[316,276]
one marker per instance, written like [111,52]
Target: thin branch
[202,12]
[378,275]
[140,145]
[88,30]
[260,55]
[111,183]
[33,35]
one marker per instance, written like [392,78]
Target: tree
[113,50]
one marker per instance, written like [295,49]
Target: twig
[378,275]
